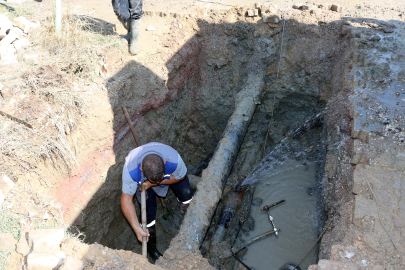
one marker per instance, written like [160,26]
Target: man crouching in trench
[156,166]
[129,13]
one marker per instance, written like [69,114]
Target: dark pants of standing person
[128,9]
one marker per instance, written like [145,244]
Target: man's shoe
[183,208]
[153,253]
[134,47]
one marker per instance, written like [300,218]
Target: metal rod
[251,241]
[267,207]
[130,126]
[143,210]
[272,224]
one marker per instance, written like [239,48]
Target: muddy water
[297,217]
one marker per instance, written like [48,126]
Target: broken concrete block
[22,246]
[45,260]
[22,23]
[7,241]
[271,19]
[256,12]
[297,5]
[250,13]
[21,43]
[47,240]
[258,5]
[72,264]
[336,7]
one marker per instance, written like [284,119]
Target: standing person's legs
[135,10]
[121,9]
[184,194]
[151,207]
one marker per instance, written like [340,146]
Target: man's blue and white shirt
[133,177]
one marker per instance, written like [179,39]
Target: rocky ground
[371,233]
[56,103]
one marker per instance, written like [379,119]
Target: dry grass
[16,148]
[72,55]
[74,51]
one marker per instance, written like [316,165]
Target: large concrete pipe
[209,189]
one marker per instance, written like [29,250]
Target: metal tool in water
[267,209]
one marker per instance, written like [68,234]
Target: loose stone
[297,5]
[336,7]
[388,29]
[271,19]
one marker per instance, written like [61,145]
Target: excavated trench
[286,136]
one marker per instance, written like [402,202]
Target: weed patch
[8,224]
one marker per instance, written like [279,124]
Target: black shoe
[153,253]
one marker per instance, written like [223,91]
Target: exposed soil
[181,91]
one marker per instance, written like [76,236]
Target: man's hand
[128,209]
[148,184]
[139,233]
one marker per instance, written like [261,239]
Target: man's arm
[128,208]
[172,180]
